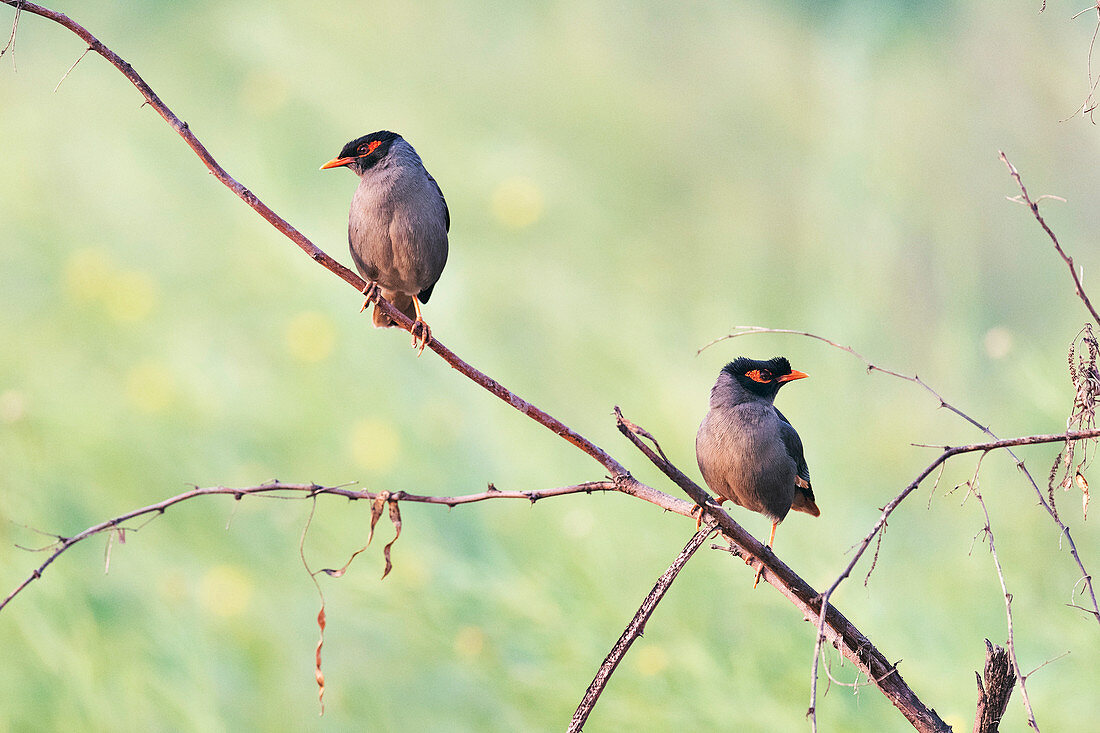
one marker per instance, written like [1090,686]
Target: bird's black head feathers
[368,150]
[761,378]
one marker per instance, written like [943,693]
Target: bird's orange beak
[337,162]
[795,374]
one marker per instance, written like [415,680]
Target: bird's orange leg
[771,541]
[421,334]
[371,293]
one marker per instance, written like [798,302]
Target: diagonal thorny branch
[635,628]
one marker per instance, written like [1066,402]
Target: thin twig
[1089,105]
[634,629]
[1010,645]
[1034,206]
[70,69]
[10,46]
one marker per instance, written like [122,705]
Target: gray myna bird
[747,450]
[398,225]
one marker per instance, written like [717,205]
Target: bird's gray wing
[446,210]
[794,449]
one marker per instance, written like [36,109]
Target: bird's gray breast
[742,457]
[397,227]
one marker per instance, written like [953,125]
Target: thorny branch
[280,490]
[635,628]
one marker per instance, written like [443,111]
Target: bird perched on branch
[748,452]
[397,228]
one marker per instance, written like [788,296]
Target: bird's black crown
[369,149]
[765,374]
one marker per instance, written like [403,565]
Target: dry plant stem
[1034,206]
[634,629]
[837,629]
[993,696]
[1011,643]
[279,490]
[1089,105]
[10,46]
[311,249]
[1086,577]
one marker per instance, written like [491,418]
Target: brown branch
[994,694]
[305,491]
[1034,206]
[634,629]
[319,256]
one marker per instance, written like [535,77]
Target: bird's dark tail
[401,301]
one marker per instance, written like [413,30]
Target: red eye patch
[369,147]
[759,375]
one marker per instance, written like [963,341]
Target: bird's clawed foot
[759,572]
[421,335]
[697,512]
[767,550]
[371,293]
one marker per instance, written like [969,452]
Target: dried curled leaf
[1083,484]
[395,517]
[376,511]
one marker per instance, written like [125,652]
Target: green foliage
[625,183]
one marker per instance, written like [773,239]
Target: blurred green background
[627,181]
